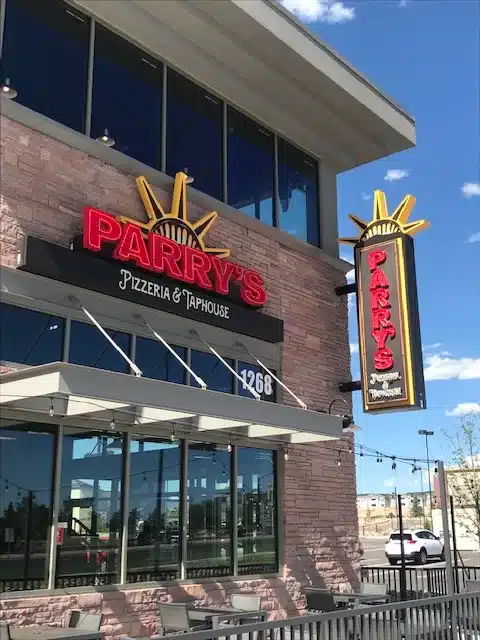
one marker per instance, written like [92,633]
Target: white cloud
[330,11]
[464,408]
[403,3]
[438,367]
[471,189]
[366,196]
[396,174]
[475,237]
[354,347]
[435,345]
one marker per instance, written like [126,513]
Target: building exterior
[168,373]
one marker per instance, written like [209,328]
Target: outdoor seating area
[323,600]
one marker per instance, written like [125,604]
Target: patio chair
[246,602]
[4,630]
[320,601]
[471,586]
[377,591]
[174,618]
[86,621]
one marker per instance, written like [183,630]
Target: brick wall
[44,187]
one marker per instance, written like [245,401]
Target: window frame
[94,20]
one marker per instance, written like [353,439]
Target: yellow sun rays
[383,224]
[155,213]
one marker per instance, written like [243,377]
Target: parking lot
[374,555]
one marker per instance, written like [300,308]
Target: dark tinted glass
[127,97]
[90,508]
[25,504]
[194,133]
[250,167]
[209,512]
[154,510]
[215,374]
[88,346]
[298,190]
[257,516]
[45,52]
[29,337]
[257,378]
[398,536]
[156,361]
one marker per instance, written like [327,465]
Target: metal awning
[72,392]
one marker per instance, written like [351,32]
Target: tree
[417,509]
[463,478]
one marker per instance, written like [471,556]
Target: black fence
[420,582]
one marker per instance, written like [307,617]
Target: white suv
[418,544]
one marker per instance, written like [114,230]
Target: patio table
[216,615]
[356,598]
[53,633]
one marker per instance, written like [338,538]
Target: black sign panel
[389,327]
[150,290]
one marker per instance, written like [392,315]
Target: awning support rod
[265,368]
[225,363]
[133,366]
[172,351]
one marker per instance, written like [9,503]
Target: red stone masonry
[44,188]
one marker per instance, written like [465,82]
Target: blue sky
[425,54]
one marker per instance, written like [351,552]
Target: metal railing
[444,618]
[420,581]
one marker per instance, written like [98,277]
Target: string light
[172,436]
[51,411]
[285,454]
[229,446]
[112,422]
[394,464]
[339,459]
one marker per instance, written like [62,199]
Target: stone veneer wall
[44,187]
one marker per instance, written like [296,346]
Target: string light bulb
[285,454]
[112,422]
[229,447]
[172,436]
[51,411]
[394,464]
[339,459]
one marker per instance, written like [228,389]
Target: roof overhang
[96,396]
[259,57]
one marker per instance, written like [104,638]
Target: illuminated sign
[171,245]
[387,307]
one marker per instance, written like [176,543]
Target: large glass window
[250,167]
[127,97]
[156,361]
[45,53]
[25,504]
[29,337]
[257,516]
[298,191]
[88,346]
[194,133]
[154,510]
[209,551]
[90,519]
[215,374]
[257,378]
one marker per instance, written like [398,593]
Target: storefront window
[209,551]
[127,97]
[29,337]
[90,520]
[257,378]
[257,515]
[25,504]
[89,347]
[298,191]
[154,510]
[194,133]
[45,53]
[250,167]
[155,361]
[213,372]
